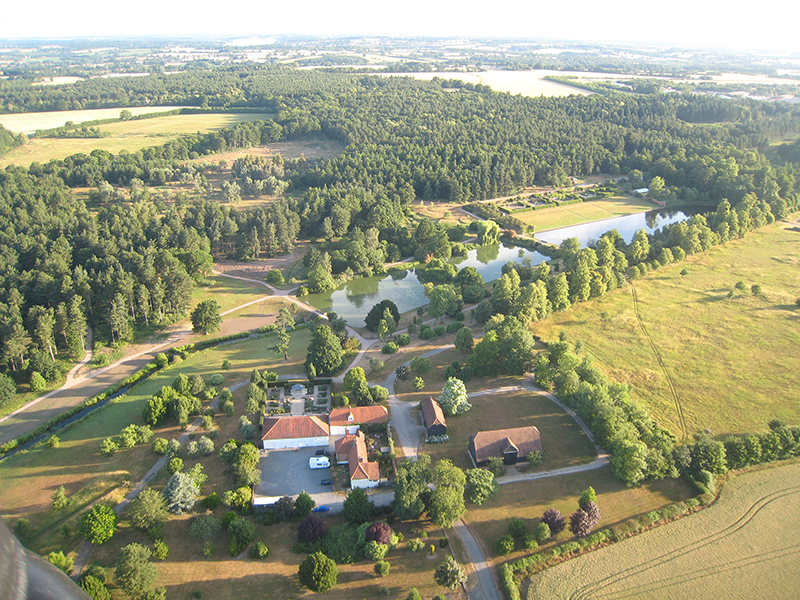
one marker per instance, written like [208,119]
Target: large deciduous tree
[375,314]
[318,572]
[134,571]
[99,524]
[454,399]
[447,498]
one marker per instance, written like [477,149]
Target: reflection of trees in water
[359,291]
[652,217]
[486,254]
[398,275]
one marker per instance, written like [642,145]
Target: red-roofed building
[347,420]
[352,449]
[433,417]
[295,432]
[512,445]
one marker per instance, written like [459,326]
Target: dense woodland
[133,259]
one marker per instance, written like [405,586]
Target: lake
[627,226]
[353,300]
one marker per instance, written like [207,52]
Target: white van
[319,462]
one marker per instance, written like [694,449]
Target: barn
[306,431]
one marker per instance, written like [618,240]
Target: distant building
[433,417]
[512,445]
[641,191]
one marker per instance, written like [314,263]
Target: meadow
[585,212]
[732,360]
[125,135]
[29,123]
[740,547]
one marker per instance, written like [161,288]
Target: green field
[126,135]
[229,293]
[29,123]
[740,547]
[732,361]
[30,478]
[585,212]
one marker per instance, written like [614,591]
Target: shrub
[60,561]
[226,365]
[384,591]
[275,277]
[160,550]
[403,339]
[416,545]
[380,532]
[375,551]
[175,465]
[440,330]
[541,532]
[318,572]
[454,326]
[418,383]
[382,568]
[208,549]
[495,466]
[379,394]
[403,373]
[108,447]
[427,333]
[259,551]
[529,541]
[211,501]
[206,445]
[517,528]
[554,520]
[53,441]
[99,524]
[216,379]
[242,533]
[94,588]
[37,382]
[376,364]
[192,450]
[310,529]
[421,365]
[504,545]
[159,446]
[389,348]
[535,458]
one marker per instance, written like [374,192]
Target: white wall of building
[309,442]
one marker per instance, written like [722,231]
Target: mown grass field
[31,122]
[585,212]
[127,135]
[527,500]
[30,478]
[563,443]
[229,293]
[733,361]
[742,547]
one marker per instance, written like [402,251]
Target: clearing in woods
[732,361]
[743,546]
[125,135]
[527,83]
[585,212]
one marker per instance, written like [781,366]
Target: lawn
[229,293]
[740,547]
[527,500]
[585,212]
[128,135]
[443,212]
[563,443]
[30,478]
[733,361]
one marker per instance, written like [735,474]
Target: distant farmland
[28,123]
[742,547]
[125,135]
[527,83]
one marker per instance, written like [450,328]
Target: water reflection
[626,225]
[353,300]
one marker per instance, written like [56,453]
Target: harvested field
[742,547]
[527,83]
[28,123]
[125,135]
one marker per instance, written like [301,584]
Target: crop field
[527,83]
[30,478]
[585,212]
[126,135]
[527,500]
[30,122]
[741,547]
[732,361]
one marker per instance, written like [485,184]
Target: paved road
[487,587]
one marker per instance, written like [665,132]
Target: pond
[627,226]
[353,300]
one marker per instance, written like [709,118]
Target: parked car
[322,508]
[319,462]
[326,481]
[322,453]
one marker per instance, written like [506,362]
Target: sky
[766,25]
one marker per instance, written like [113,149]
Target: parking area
[286,473]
